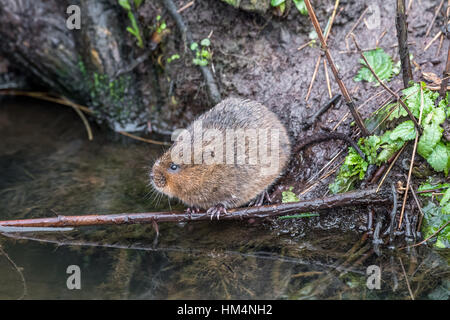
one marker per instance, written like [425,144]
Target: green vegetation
[435,216]
[112,94]
[381,63]
[289,196]
[173,57]
[380,148]
[281,4]
[202,53]
[134,29]
[301,7]
[297,216]
[431,146]
[161,25]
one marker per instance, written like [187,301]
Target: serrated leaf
[404,131]
[428,140]
[445,198]
[439,158]
[434,218]
[380,62]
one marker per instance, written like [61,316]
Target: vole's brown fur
[230,185]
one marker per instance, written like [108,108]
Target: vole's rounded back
[228,156]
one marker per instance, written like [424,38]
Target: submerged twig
[24,284]
[406,278]
[428,238]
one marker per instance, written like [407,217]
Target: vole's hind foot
[259,200]
[217,210]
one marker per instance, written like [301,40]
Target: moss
[109,99]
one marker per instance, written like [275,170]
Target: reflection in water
[48,167]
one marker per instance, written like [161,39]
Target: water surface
[48,167]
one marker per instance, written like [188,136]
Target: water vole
[225,158]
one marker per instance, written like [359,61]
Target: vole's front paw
[192,210]
[259,200]
[217,210]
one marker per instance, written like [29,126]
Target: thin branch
[434,18]
[406,279]
[339,81]
[390,167]
[163,143]
[402,35]
[418,206]
[395,95]
[327,33]
[412,162]
[433,235]
[354,198]
[446,73]
[311,120]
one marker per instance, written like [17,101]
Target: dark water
[48,167]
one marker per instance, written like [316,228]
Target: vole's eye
[174,167]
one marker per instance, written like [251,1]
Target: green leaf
[404,131]
[354,168]
[431,186]
[430,137]
[289,196]
[205,42]
[205,54]
[276,3]
[194,46]
[131,30]
[173,57]
[301,7]
[445,198]
[125,4]
[439,158]
[434,218]
[138,3]
[380,62]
